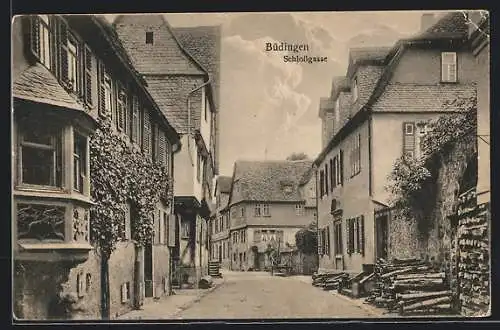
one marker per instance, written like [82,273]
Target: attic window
[149,38]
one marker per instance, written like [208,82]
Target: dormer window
[149,38]
[355,89]
[449,67]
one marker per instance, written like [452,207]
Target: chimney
[426,21]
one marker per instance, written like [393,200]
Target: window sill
[52,194]
[449,82]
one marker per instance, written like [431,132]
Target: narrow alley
[258,295]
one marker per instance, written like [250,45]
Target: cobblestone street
[258,295]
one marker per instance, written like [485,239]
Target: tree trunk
[105,308]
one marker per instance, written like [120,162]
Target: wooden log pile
[329,281]
[410,286]
[473,256]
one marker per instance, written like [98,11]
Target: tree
[306,239]
[298,156]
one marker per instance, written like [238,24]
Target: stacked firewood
[329,281]
[410,286]
[473,256]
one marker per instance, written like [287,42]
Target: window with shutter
[146,143]
[332,173]
[88,76]
[121,108]
[73,72]
[348,236]
[340,171]
[326,179]
[355,235]
[327,240]
[321,183]
[449,67]
[63,53]
[161,148]
[41,39]
[320,243]
[35,35]
[362,235]
[134,125]
[409,139]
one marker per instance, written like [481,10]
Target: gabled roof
[366,55]
[268,181]
[360,54]
[38,84]
[451,25]
[203,43]
[399,97]
[224,184]
[115,41]
[166,57]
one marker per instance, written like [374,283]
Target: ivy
[412,181]
[306,239]
[121,174]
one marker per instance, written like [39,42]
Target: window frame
[83,177]
[266,210]
[74,87]
[445,68]
[57,147]
[149,37]
[299,209]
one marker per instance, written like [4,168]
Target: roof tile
[269,181]
[38,84]
[411,97]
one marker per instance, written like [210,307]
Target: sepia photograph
[328,165]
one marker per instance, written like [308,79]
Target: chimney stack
[426,21]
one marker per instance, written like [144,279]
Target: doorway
[148,270]
[382,236]
[220,253]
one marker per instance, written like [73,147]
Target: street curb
[189,304]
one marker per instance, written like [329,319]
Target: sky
[269,108]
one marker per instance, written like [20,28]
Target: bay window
[79,162]
[40,154]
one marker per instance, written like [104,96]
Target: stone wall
[404,238]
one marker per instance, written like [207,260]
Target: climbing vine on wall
[412,180]
[121,174]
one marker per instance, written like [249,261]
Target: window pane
[38,166]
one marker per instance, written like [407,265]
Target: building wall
[354,200]
[430,59]
[185,162]
[19,62]
[281,213]
[121,270]
[482,61]
[367,77]
[387,146]
[206,122]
